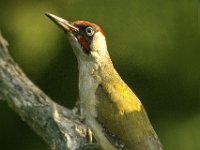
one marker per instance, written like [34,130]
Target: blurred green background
[153,44]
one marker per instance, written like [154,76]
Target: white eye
[89,31]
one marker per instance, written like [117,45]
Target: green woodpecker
[110,108]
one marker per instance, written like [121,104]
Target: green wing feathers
[123,115]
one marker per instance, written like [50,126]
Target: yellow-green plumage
[123,114]
[112,111]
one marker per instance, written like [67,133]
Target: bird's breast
[87,87]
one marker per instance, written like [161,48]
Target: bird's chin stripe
[84,43]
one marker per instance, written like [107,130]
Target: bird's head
[87,39]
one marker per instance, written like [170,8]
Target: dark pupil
[89,30]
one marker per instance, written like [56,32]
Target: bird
[111,110]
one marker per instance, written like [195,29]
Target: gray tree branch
[58,126]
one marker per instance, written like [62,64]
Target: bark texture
[60,127]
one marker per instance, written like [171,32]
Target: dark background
[153,45]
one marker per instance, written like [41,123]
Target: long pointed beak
[64,24]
